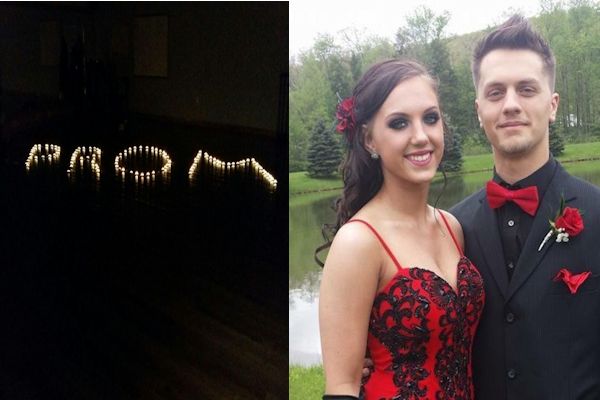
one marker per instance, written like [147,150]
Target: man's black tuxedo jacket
[535,339]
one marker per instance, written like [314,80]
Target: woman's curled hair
[361,174]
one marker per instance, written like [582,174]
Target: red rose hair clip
[345,117]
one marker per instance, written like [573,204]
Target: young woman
[396,285]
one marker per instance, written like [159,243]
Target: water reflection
[305,221]
[304,344]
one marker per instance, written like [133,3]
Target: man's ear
[478,116]
[554,106]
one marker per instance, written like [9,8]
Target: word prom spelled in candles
[143,163]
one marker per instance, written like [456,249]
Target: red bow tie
[526,198]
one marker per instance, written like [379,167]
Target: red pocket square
[572,281]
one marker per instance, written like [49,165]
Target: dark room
[143,169]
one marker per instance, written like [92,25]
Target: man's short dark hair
[514,34]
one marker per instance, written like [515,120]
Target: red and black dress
[421,333]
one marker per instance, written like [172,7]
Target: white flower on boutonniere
[567,223]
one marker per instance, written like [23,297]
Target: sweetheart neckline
[400,269]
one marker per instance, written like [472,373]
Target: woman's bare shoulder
[455,226]
[355,241]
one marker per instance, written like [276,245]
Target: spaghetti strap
[385,246]
[451,233]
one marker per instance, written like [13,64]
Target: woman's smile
[421,158]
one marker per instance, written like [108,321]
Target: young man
[539,335]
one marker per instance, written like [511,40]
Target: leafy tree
[422,28]
[419,30]
[310,100]
[319,76]
[365,50]
[324,153]
[375,49]
[452,160]
[355,67]
[464,115]
[339,76]
[573,31]
[423,39]
[334,64]
[557,144]
[439,65]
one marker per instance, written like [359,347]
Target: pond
[308,213]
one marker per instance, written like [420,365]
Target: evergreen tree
[324,153]
[557,144]
[452,160]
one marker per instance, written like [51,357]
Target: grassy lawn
[306,383]
[300,182]
[480,162]
[580,151]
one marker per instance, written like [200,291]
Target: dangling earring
[374,156]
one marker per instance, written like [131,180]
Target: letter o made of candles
[150,154]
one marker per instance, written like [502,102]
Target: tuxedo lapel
[530,256]
[488,238]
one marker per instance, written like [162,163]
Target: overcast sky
[384,17]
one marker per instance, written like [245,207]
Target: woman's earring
[374,156]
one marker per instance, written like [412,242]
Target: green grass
[579,151]
[476,149]
[300,183]
[306,383]
[480,162]
[581,168]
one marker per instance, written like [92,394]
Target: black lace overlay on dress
[453,359]
[408,342]
[409,312]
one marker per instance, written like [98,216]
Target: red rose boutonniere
[345,117]
[572,281]
[568,223]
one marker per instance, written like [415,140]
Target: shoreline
[449,175]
